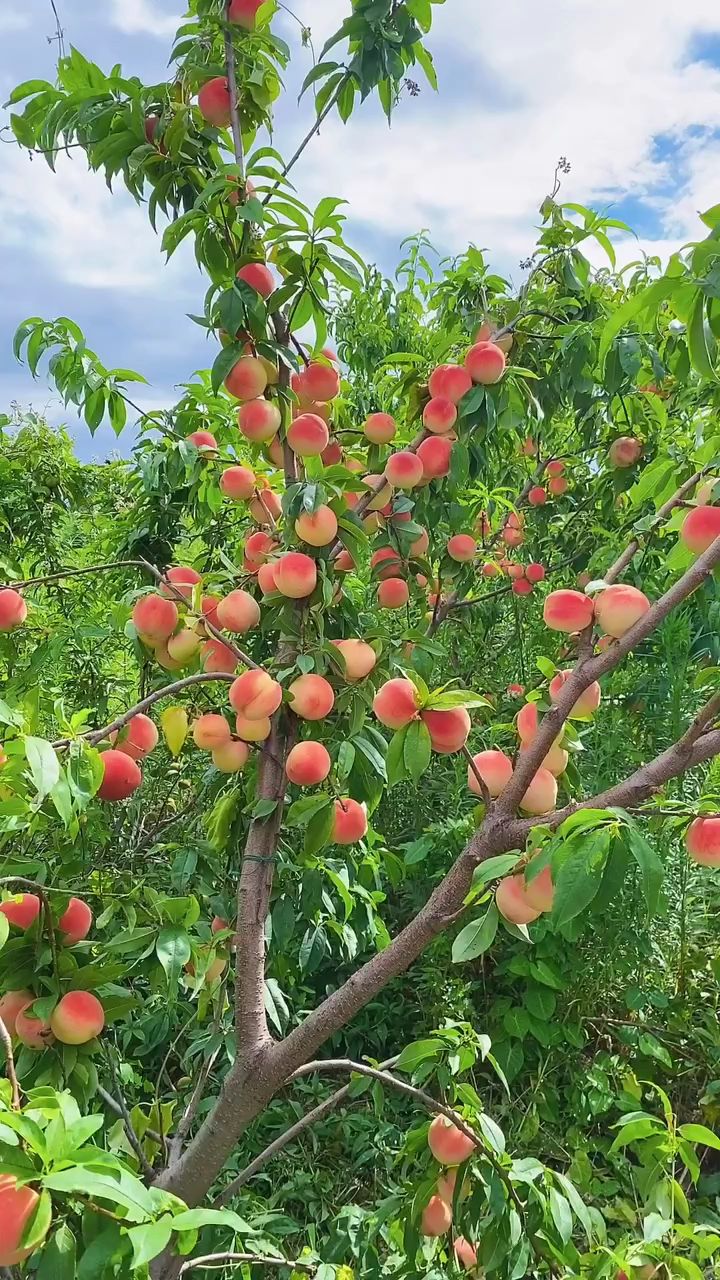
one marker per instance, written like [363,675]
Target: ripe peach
[380,496]
[436,1217]
[421,544]
[121,776]
[255,695]
[21,910]
[440,415]
[181,581]
[461,547]
[527,721]
[259,277]
[308,764]
[360,658]
[266,507]
[522,587]
[308,436]
[247,379]
[387,562]
[449,382]
[491,570]
[214,969]
[586,704]
[380,428]
[183,646]
[75,922]
[515,571]
[13,609]
[311,697]
[465,1253]
[556,760]
[17,1209]
[138,738]
[435,453]
[253,730]
[624,452]
[619,607]
[495,769]
[258,547]
[541,795]
[216,656]
[208,608]
[568,611]
[318,528]
[266,578]
[295,575]
[165,659]
[155,617]
[396,703]
[238,612]
[204,441]
[449,730]
[243,13]
[404,469]
[702,839]
[78,1018]
[512,537]
[556,467]
[349,821]
[215,102]
[700,528]
[274,452]
[320,381]
[259,420]
[485,362]
[535,572]
[516,691]
[11,1004]
[537,496]
[393,593]
[210,730]
[512,903]
[344,562]
[539,893]
[529,447]
[333,454]
[448,1144]
[33,1032]
[231,757]
[557,486]
[484,333]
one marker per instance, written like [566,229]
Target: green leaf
[395,759]
[44,765]
[420,1051]
[578,879]
[319,829]
[417,749]
[124,1190]
[149,1240]
[651,868]
[173,950]
[699,1133]
[300,813]
[560,1213]
[195,1219]
[646,301]
[57,1261]
[701,343]
[476,937]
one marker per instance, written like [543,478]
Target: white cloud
[12,21]
[141,17]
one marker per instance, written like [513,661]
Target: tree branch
[309,135]
[233,86]
[130,1133]
[213,1261]
[10,1065]
[664,511]
[94,736]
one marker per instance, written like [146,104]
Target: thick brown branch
[10,1065]
[233,86]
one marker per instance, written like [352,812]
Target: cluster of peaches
[78,1017]
[451,1148]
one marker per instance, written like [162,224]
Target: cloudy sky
[628,90]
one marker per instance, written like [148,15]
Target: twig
[211,1261]
[130,1133]
[209,626]
[94,736]
[10,1065]
[113,1104]
[233,85]
[664,511]
[71,573]
[487,798]
[309,135]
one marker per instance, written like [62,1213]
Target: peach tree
[294,557]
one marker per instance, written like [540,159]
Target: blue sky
[629,92]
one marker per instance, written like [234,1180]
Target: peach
[380,428]
[34,1033]
[704,493]
[465,1253]
[155,617]
[75,922]
[11,1004]
[13,609]
[512,537]
[21,910]
[266,507]
[258,277]
[556,467]
[583,580]
[181,580]
[435,453]
[138,738]
[274,452]
[396,703]
[165,659]
[183,646]
[259,420]
[703,841]
[204,441]
[360,658]
[541,795]
[529,447]
[539,893]
[491,570]
[512,903]
[216,656]
[318,528]
[449,730]
[121,776]
[311,697]
[266,578]
[586,704]
[333,454]
[439,415]
[517,691]
[247,379]
[495,769]
[534,572]
[461,547]
[522,587]
[436,1217]
[253,730]
[624,452]
[349,821]
[527,720]
[557,486]
[295,575]
[238,612]
[208,608]
[449,382]
[619,607]
[244,13]
[320,381]
[213,970]
[448,1144]
[387,562]
[17,1209]
[308,436]
[485,362]
[421,544]
[344,562]
[380,496]
[404,469]
[515,571]
[78,1018]
[484,333]
[231,757]
[393,593]
[210,730]
[556,760]
[255,695]
[567,610]
[308,764]
[537,496]
[215,102]
[258,547]
[700,528]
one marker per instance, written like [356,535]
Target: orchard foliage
[402,649]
